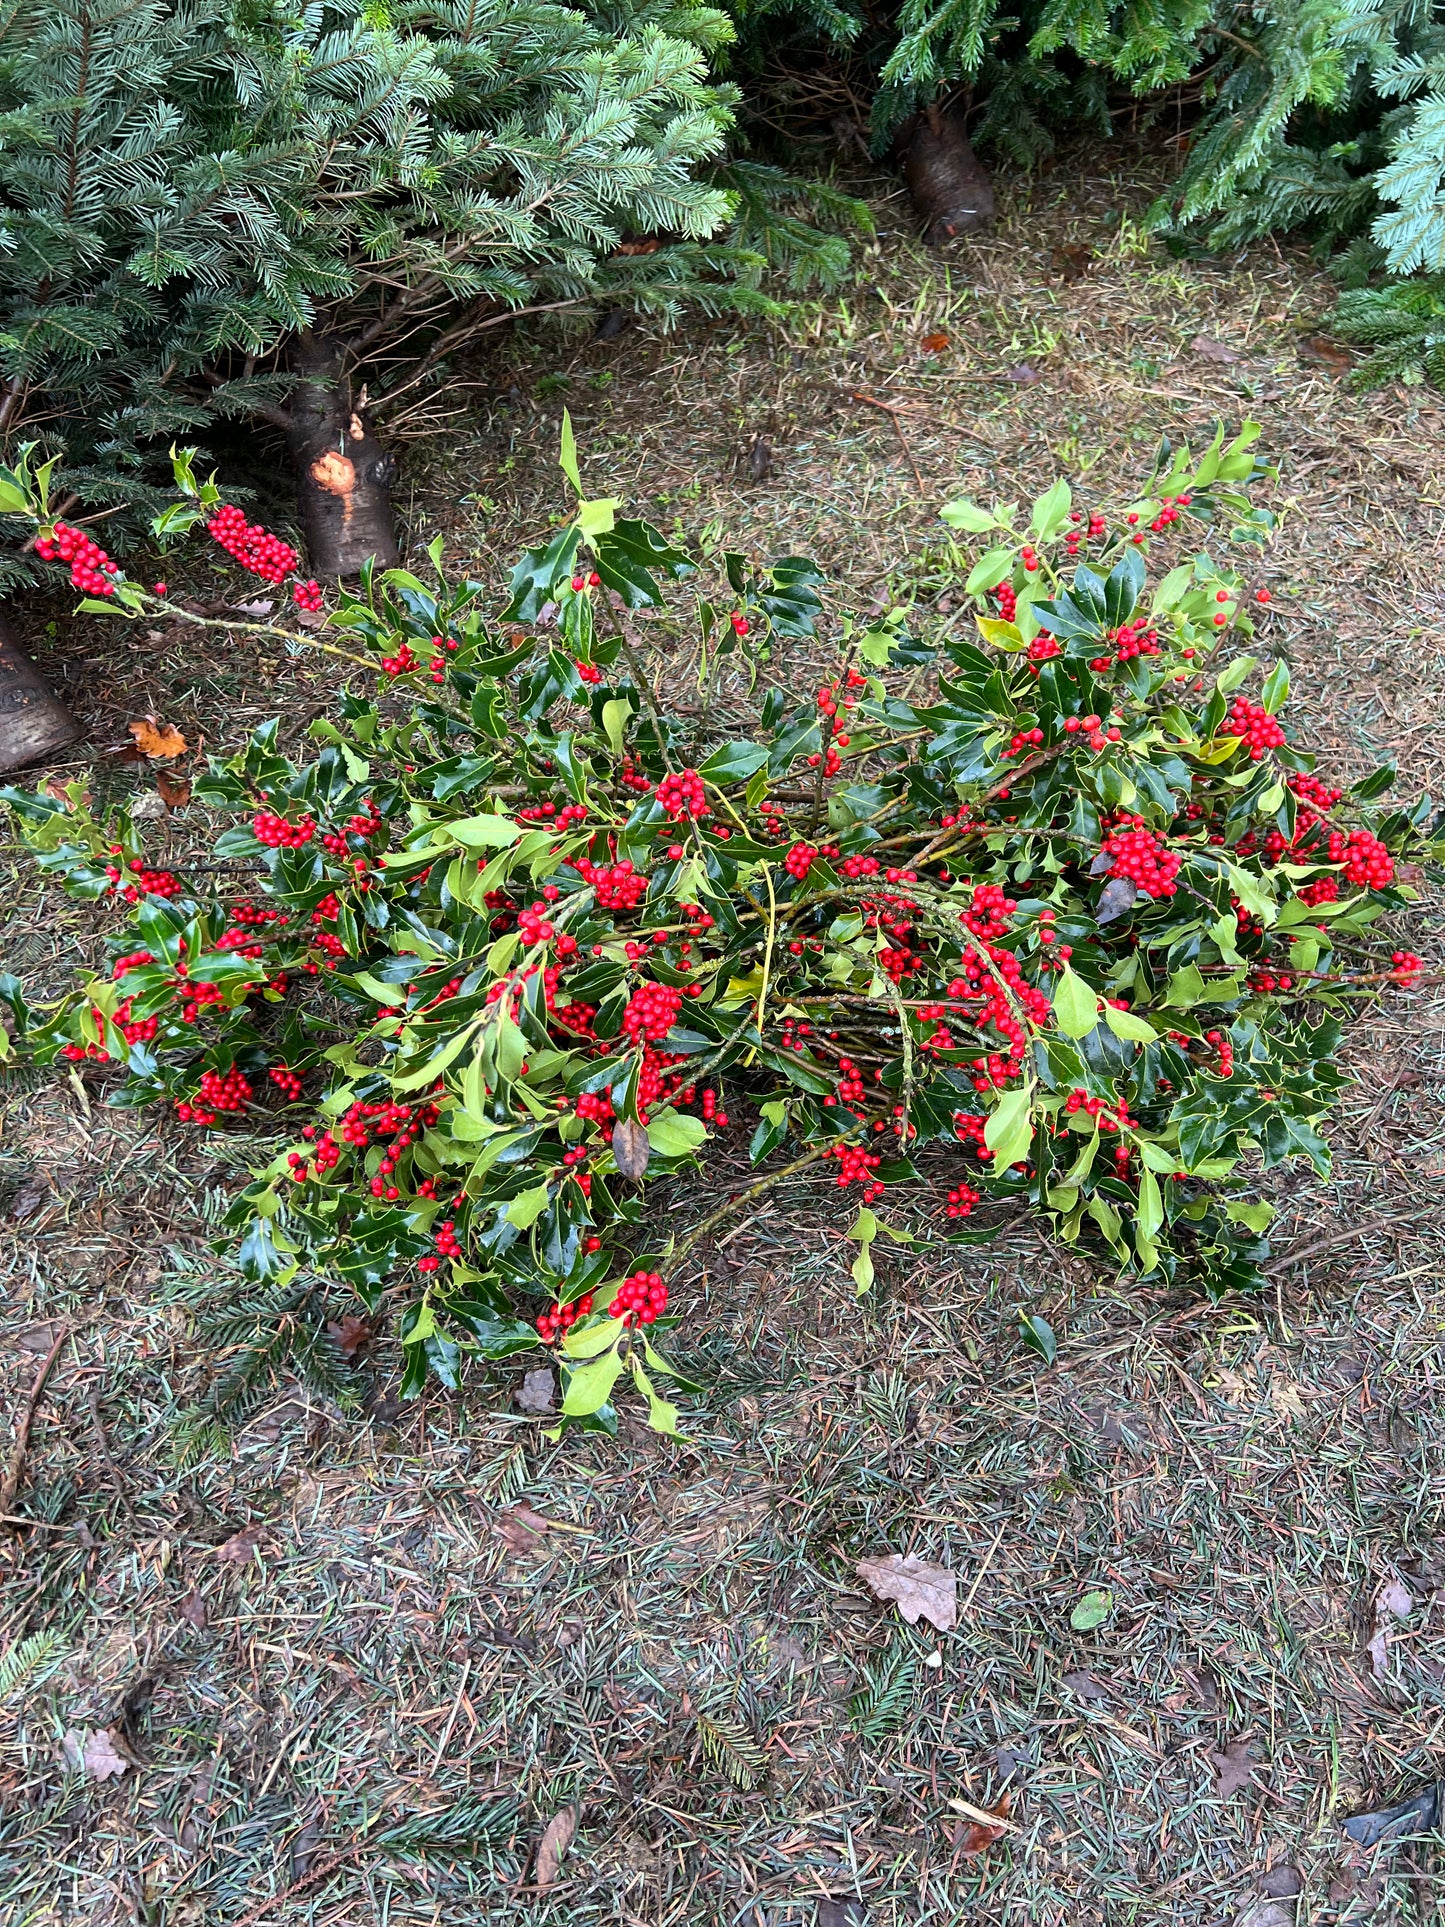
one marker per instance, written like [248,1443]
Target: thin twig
[893,415]
[15,1472]
[1290,1259]
[754,1191]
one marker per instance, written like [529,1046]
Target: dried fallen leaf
[520,1528]
[349,1333]
[537,1392]
[193,1611]
[1086,1686]
[760,459]
[262,606]
[1022,374]
[157,739]
[986,1824]
[1234,1768]
[630,1147]
[1072,260]
[94,1753]
[148,807]
[1321,348]
[557,1837]
[28,1199]
[1208,349]
[918,1589]
[1392,1601]
[936,344]
[241,1546]
[174,791]
[1265,1913]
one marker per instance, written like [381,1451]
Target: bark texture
[34,723]
[343,474]
[951,191]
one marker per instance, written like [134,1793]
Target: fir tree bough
[300,220]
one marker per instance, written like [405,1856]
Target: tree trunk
[952,193]
[33,721]
[343,475]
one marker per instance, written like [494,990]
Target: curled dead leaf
[174,791]
[557,1837]
[156,739]
[986,1824]
[193,1611]
[1208,349]
[521,1529]
[918,1589]
[241,1547]
[630,1147]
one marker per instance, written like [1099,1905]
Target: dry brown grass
[1242,1477]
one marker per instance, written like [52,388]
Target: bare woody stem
[756,1190]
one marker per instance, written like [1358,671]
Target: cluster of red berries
[1257,730]
[591,580]
[855,1164]
[255,548]
[989,911]
[682,796]
[1130,639]
[1406,965]
[618,885]
[800,859]
[447,1246]
[1225,1046]
[588,671]
[307,595]
[640,1299]
[1368,864]
[1043,648]
[1024,741]
[1140,856]
[286,1081]
[1094,728]
[91,568]
[275,833]
[961,1200]
[651,1012]
[401,663]
[534,926]
[1117,1119]
[1007,601]
[228,1091]
[562,1318]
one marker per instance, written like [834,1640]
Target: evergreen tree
[210,210]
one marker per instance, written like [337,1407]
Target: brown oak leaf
[162,741]
[193,1611]
[1234,1768]
[349,1333]
[94,1753]
[918,1589]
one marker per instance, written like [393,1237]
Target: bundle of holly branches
[1053,893]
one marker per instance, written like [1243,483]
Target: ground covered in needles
[354,1655]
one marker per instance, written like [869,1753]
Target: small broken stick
[10,1489]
